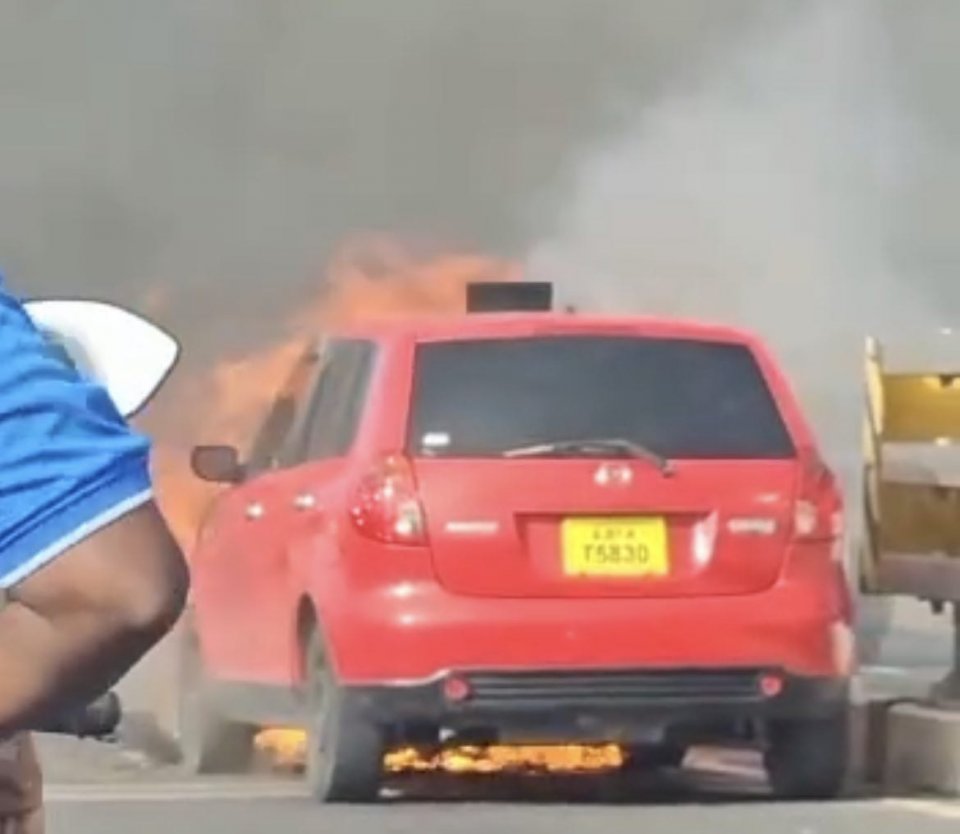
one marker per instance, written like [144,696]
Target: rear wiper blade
[602,445]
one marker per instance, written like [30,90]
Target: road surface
[696,802]
[95,789]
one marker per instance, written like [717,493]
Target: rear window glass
[678,398]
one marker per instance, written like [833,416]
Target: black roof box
[509,296]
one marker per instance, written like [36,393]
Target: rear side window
[679,398]
[278,432]
[339,399]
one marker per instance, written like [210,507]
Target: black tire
[807,759]
[639,758]
[344,749]
[209,743]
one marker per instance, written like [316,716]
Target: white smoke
[763,196]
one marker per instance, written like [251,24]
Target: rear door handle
[254,511]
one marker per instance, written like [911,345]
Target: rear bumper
[620,705]
[414,632]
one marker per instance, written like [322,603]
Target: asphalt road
[97,789]
[693,802]
[249,816]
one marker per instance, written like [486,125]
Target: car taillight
[386,506]
[818,518]
[818,510]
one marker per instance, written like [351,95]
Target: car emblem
[613,474]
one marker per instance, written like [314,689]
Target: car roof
[493,325]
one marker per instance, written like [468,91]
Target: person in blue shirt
[90,574]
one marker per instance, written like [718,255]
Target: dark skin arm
[71,630]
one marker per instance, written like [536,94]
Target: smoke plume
[764,193]
[222,150]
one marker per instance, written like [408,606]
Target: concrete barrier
[922,750]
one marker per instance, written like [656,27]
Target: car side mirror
[219,464]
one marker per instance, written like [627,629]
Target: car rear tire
[653,757]
[807,759]
[209,743]
[344,748]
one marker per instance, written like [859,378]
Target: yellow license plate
[615,547]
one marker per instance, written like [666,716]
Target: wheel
[659,756]
[807,759]
[209,743]
[344,749]
[668,755]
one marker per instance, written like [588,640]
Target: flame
[368,278]
[287,749]
[377,278]
[565,758]
[234,394]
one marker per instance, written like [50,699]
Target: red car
[524,526]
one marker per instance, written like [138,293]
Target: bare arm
[73,628]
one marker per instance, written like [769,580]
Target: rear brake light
[456,690]
[386,506]
[818,510]
[771,685]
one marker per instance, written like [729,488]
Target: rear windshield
[677,398]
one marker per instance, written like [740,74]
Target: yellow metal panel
[921,408]
[911,494]
[919,519]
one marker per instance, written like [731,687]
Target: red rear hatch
[562,528]
[532,458]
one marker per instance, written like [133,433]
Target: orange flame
[368,278]
[502,758]
[286,749]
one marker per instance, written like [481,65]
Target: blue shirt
[69,463]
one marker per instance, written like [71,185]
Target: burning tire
[807,759]
[344,749]
[209,743]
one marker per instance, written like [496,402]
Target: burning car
[521,525]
